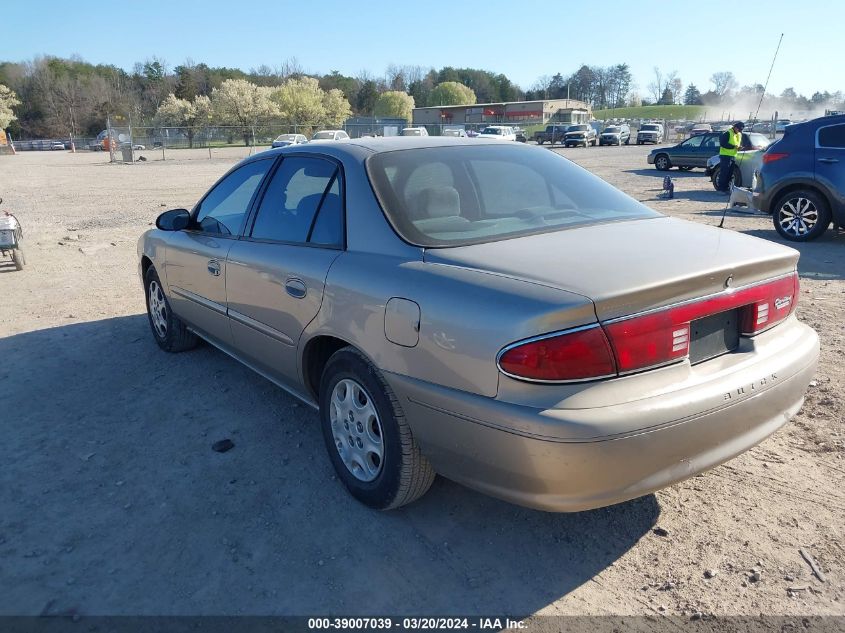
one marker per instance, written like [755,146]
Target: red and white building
[520,113]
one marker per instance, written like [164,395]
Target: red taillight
[771,157]
[576,355]
[648,340]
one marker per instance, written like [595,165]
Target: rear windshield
[453,196]
[321,135]
[492,130]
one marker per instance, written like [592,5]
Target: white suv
[501,132]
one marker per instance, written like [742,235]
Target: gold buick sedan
[487,311]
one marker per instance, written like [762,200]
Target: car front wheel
[368,439]
[801,215]
[169,331]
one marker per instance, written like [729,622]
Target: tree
[8,100]
[667,98]
[723,83]
[692,96]
[676,86]
[655,87]
[394,104]
[451,93]
[367,97]
[789,95]
[337,108]
[184,114]
[300,101]
[242,103]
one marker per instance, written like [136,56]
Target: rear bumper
[572,459]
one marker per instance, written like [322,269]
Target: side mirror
[174,220]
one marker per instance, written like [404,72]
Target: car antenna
[763,94]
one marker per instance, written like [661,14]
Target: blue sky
[524,39]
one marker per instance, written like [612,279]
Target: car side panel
[466,317]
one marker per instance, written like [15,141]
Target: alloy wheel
[798,216]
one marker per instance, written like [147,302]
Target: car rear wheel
[539,141]
[368,439]
[169,331]
[801,215]
[662,162]
[736,177]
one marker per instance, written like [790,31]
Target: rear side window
[467,194]
[222,211]
[302,204]
[832,136]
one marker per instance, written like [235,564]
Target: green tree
[692,96]
[367,97]
[300,101]
[8,100]
[451,93]
[394,104]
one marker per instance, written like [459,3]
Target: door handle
[296,288]
[214,267]
[828,160]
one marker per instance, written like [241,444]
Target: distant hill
[675,112]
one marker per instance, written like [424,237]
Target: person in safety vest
[729,143]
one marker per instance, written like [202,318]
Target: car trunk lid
[632,266]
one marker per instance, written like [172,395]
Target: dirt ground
[112,501]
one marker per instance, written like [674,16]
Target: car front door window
[223,210]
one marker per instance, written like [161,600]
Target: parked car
[330,135]
[554,133]
[421,294]
[454,131]
[802,179]
[748,160]
[650,133]
[520,135]
[780,125]
[57,145]
[414,131]
[580,134]
[500,132]
[283,140]
[687,154]
[615,135]
[700,128]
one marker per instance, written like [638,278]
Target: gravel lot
[112,501]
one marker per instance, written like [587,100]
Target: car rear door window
[693,142]
[710,142]
[832,136]
[223,210]
[302,198]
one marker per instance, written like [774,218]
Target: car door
[195,260]
[276,274]
[830,163]
[684,154]
[709,147]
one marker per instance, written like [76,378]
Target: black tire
[736,180]
[627,140]
[19,258]
[814,213]
[404,474]
[662,162]
[175,337]
[539,141]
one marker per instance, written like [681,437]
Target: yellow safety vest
[735,138]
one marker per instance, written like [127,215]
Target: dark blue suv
[802,179]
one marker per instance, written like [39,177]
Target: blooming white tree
[394,104]
[300,101]
[189,116]
[337,108]
[8,100]
[242,103]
